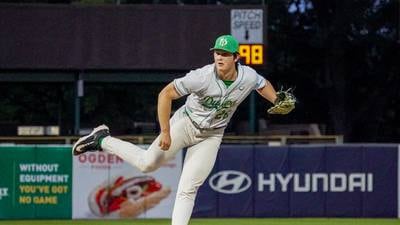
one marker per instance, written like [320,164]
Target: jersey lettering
[223,109]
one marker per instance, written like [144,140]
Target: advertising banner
[382,180]
[302,181]
[36,181]
[268,161]
[246,181]
[234,182]
[104,186]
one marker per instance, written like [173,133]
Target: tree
[342,57]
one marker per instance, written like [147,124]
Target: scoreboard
[247,26]
[252,54]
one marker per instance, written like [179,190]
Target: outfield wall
[43,181]
[35,182]
[46,182]
[302,181]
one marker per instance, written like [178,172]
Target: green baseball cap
[226,43]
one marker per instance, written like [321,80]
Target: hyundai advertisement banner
[301,181]
[104,186]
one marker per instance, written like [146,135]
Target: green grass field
[209,222]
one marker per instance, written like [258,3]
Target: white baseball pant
[201,154]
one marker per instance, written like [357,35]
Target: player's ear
[236,57]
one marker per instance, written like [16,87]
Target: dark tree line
[343,57]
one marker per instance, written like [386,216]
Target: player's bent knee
[148,168]
[187,193]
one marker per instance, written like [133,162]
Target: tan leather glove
[284,103]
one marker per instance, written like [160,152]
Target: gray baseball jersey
[211,104]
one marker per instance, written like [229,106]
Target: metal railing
[148,139]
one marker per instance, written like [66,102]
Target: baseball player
[214,93]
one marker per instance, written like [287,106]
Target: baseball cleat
[91,142]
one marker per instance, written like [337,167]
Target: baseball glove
[284,103]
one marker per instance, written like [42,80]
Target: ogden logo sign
[233,182]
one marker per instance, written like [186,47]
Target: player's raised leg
[145,160]
[198,164]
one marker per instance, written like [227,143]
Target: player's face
[224,61]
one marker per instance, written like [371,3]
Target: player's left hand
[284,103]
[165,141]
